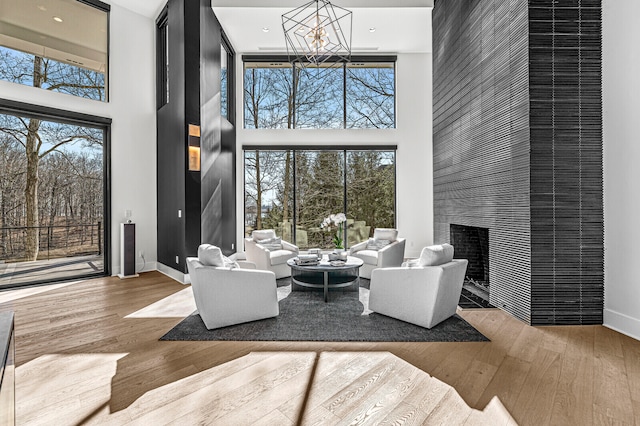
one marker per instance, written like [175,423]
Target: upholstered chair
[227,294]
[424,291]
[384,250]
[269,252]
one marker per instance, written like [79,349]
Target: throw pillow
[436,255]
[385,234]
[263,234]
[382,243]
[411,263]
[377,244]
[271,244]
[210,255]
[273,240]
[229,263]
[371,244]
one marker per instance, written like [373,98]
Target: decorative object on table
[318,31]
[338,256]
[306,259]
[315,251]
[335,221]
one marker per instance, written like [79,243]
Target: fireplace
[472,243]
[503,159]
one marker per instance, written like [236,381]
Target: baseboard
[172,273]
[140,267]
[146,267]
[622,323]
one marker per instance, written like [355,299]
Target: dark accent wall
[218,141]
[511,119]
[565,58]
[194,93]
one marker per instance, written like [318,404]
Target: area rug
[304,316]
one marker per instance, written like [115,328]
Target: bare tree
[370,97]
[11,200]
[314,98]
[54,76]
[263,174]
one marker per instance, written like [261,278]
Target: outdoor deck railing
[55,241]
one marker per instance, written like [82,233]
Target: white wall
[413,136]
[621,112]
[133,137]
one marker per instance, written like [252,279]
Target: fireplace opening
[472,243]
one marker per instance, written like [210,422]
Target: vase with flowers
[335,221]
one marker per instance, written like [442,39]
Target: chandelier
[316,32]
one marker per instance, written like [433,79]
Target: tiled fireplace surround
[518,149]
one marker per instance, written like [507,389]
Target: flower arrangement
[338,221]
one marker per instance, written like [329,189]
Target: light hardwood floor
[85,357]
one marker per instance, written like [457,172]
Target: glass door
[52,199]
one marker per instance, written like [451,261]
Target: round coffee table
[324,275]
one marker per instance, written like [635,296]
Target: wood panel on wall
[518,148]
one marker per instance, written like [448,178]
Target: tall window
[355,95]
[293,190]
[227,98]
[162,58]
[224,91]
[57,45]
[53,201]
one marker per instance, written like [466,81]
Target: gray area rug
[304,316]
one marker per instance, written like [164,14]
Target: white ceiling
[401,25]
[80,36]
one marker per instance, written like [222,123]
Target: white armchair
[423,292]
[228,295]
[376,255]
[270,253]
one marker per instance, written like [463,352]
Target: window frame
[162,58]
[345,149]
[44,113]
[231,99]
[341,63]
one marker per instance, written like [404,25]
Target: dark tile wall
[518,148]
[566,162]
[481,136]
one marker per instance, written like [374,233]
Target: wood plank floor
[86,355]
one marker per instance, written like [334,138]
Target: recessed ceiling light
[372,29]
[42,8]
[57,19]
[265,29]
